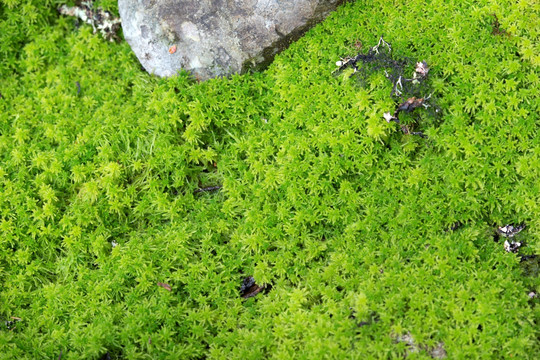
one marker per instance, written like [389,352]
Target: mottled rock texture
[213,38]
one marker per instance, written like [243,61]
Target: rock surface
[212,38]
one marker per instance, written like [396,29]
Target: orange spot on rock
[172,49]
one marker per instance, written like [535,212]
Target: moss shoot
[273,214]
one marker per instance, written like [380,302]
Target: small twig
[371,56]
[424,103]
[210,188]
[396,90]
[376,47]
[419,133]
[497,27]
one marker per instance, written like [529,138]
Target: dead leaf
[249,288]
[411,104]
[421,70]
[165,286]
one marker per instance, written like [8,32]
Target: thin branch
[210,188]
[376,47]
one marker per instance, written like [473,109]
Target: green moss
[344,216]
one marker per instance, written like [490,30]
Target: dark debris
[497,30]
[378,57]
[530,265]
[455,226]
[12,323]
[528,258]
[249,288]
[410,93]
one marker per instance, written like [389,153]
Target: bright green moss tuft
[362,235]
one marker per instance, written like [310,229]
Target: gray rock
[214,38]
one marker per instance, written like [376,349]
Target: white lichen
[511,246]
[100,19]
[389,117]
[510,230]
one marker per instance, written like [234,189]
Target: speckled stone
[215,37]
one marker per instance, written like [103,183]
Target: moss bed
[366,242]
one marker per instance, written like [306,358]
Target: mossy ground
[346,217]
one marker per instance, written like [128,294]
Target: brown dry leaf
[411,104]
[254,290]
[249,288]
[165,286]
[421,70]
